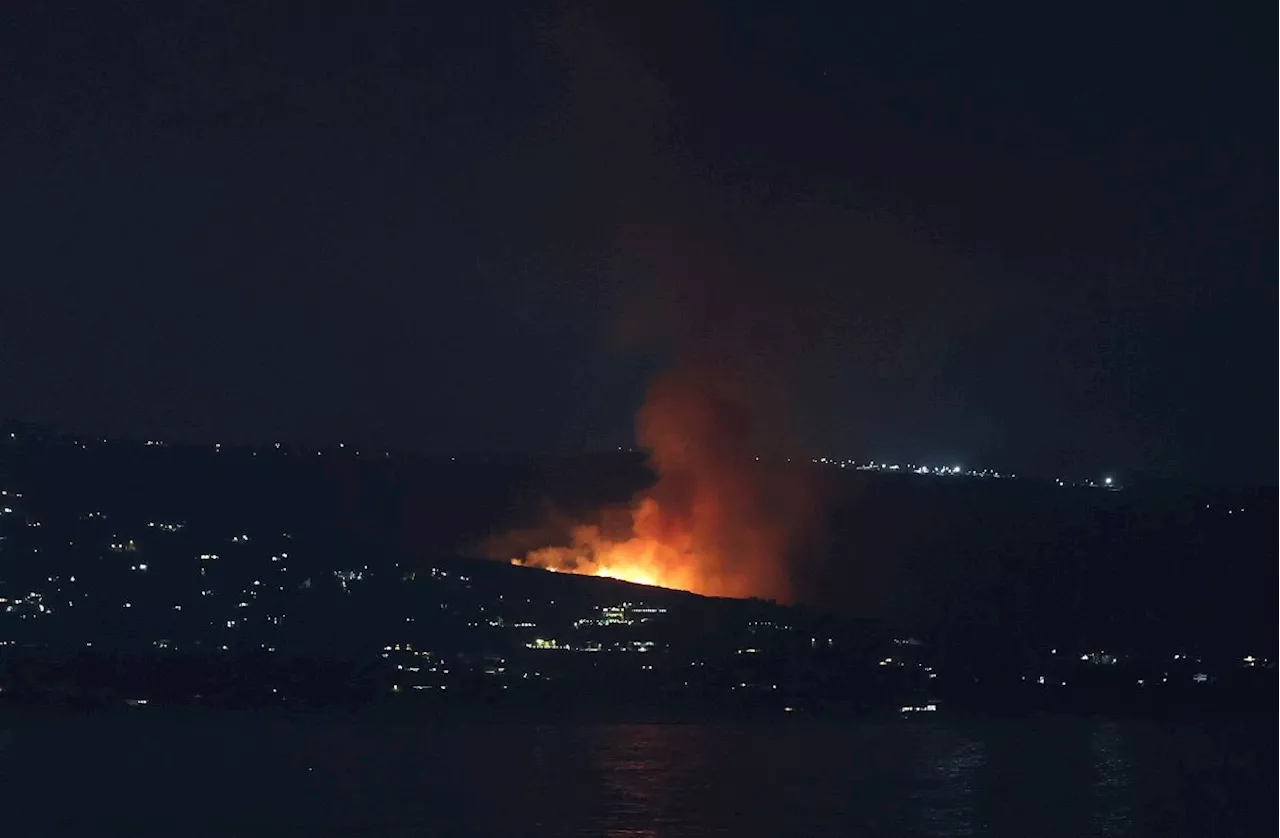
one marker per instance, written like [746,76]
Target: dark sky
[1033,237]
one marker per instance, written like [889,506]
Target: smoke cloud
[726,513]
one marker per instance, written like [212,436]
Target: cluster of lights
[626,614]
[909,468]
[1105,483]
[931,707]
[30,605]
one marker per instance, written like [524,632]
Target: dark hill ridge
[984,568]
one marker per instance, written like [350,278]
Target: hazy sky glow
[991,240]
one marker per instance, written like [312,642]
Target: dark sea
[320,776]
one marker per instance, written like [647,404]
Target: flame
[646,557]
[714,523]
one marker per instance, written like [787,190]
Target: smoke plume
[726,513]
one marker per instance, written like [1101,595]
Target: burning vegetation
[716,521]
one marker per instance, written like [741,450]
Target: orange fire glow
[648,556]
[714,523]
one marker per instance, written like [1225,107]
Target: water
[316,777]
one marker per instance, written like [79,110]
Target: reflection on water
[646,771]
[1111,814]
[316,777]
[945,797]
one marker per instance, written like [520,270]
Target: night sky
[1040,237]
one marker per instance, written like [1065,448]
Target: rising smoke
[725,513]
